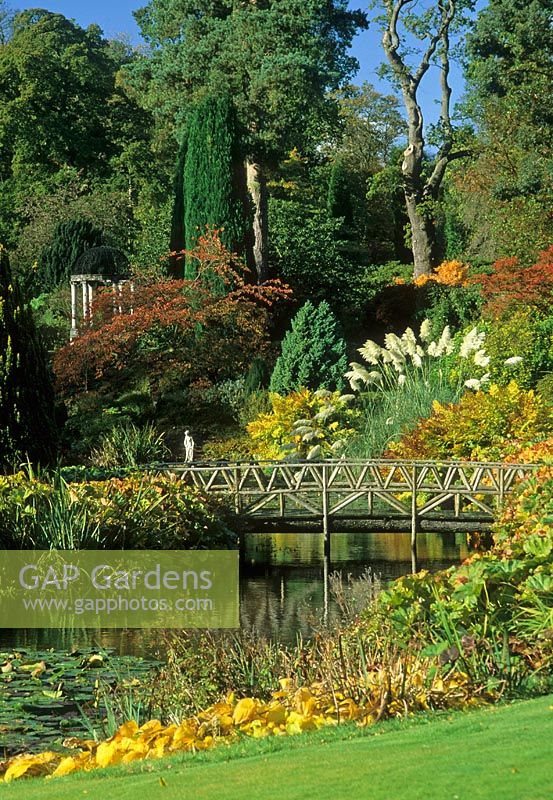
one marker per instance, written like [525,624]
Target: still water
[284,586]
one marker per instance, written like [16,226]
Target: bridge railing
[359,488]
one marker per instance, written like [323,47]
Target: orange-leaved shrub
[512,285]
[210,327]
[448,273]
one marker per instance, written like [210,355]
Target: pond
[48,688]
[284,586]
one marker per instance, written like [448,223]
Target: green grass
[502,752]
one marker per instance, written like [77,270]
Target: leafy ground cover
[484,754]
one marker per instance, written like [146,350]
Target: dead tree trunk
[257,187]
[421,193]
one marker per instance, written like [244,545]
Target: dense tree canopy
[508,192]
[277,60]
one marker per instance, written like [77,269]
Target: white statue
[188,447]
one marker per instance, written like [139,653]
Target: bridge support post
[326,521]
[236,482]
[414,521]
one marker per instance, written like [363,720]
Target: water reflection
[283,593]
[282,581]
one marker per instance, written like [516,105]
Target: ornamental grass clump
[409,364]
[408,375]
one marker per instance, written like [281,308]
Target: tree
[313,353]
[363,146]
[55,80]
[307,251]
[27,418]
[68,121]
[277,59]
[371,124]
[177,241]
[507,193]
[56,261]
[211,195]
[432,26]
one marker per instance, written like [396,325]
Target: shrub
[304,424]
[307,251]
[133,512]
[491,617]
[485,426]
[449,273]
[230,448]
[520,345]
[313,353]
[544,387]
[172,332]
[510,285]
[455,305]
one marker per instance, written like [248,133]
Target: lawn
[497,752]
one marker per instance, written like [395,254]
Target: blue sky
[115,18]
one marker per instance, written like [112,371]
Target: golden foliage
[448,273]
[385,691]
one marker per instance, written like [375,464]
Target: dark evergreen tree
[211,186]
[107,261]
[71,239]
[313,353]
[27,410]
[339,201]
[177,242]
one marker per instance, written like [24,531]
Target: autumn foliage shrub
[173,332]
[304,424]
[449,273]
[483,426]
[510,285]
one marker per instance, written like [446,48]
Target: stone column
[73,332]
[85,300]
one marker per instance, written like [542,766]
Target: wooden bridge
[378,495]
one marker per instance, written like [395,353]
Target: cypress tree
[210,191]
[313,353]
[56,261]
[27,410]
[177,242]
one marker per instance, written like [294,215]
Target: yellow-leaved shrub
[304,424]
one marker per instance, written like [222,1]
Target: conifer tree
[71,239]
[313,353]
[27,411]
[210,190]
[177,242]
